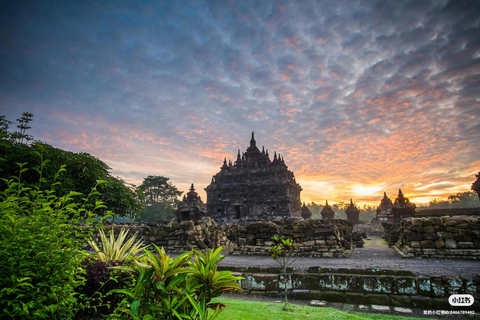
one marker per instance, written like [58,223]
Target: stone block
[465,245]
[446,219]
[340,282]
[424,286]
[355,283]
[450,244]
[422,302]
[439,244]
[441,304]
[415,244]
[372,284]
[353,297]
[427,244]
[428,229]
[306,294]
[377,299]
[453,285]
[413,236]
[400,273]
[436,221]
[400,300]
[429,236]
[406,285]
[333,296]
[428,252]
[450,224]
[438,289]
[417,222]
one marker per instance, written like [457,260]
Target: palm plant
[116,249]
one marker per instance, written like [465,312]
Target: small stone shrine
[402,207]
[191,207]
[384,210]
[253,188]
[352,213]
[306,213]
[394,212]
[327,212]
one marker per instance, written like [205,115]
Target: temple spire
[253,143]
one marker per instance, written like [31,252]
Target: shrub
[282,251]
[115,250]
[100,278]
[41,238]
[169,288]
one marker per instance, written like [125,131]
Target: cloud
[354,95]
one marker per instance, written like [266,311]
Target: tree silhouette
[476,185]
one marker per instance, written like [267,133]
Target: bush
[41,239]
[100,279]
[169,288]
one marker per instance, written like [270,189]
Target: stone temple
[253,188]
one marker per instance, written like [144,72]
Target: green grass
[253,310]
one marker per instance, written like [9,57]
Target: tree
[463,200]
[81,173]
[21,135]
[161,198]
[4,125]
[476,185]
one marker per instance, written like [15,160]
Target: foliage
[282,251]
[99,280]
[81,172]
[115,250]
[476,185]
[41,239]
[240,309]
[160,199]
[169,288]
[459,200]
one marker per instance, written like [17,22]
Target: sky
[359,97]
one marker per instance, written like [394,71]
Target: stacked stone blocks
[455,237]
[361,286]
[331,238]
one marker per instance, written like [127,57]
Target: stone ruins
[394,212]
[352,212]
[327,212]
[253,188]
[191,207]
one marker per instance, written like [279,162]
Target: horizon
[359,98]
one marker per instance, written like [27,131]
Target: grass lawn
[253,310]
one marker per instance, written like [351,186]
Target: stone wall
[420,212]
[360,286]
[455,237]
[177,237]
[331,238]
[319,238]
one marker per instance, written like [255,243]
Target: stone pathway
[375,254]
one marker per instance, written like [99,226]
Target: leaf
[134,307]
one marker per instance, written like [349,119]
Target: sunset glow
[360,98]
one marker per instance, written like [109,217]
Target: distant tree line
[460,200]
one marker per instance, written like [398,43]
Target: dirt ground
[375,254]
